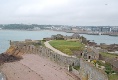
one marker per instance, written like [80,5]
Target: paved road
[55,50]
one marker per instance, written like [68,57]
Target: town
[91,30]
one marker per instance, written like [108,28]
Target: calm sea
[102,38]
[6,35]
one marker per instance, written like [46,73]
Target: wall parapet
[24,48]
[87,70]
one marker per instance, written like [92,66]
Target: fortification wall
[61,60]
[18,50]
[89,72]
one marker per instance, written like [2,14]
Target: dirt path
[34,67]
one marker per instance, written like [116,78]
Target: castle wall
[46,52]
[62,60]
[87,70]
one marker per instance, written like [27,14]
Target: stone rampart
[87,70]
[19,49]
[60,59]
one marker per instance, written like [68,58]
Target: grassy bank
[105,54]
[113,76]
[67,46]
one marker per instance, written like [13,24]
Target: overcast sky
[63,12]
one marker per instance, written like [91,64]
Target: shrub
[76,67]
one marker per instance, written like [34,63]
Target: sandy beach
[34,67]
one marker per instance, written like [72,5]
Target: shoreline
[7,35]
[30,30]
[88,33]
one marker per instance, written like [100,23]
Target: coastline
[31,30]
[87,33]
[15,35]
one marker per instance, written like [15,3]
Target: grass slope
[105,54]
[113,76]
[66,46]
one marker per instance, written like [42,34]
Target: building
[101,29]
[57,37]
[74,36]
[90,53]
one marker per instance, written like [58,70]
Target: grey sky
[65,12]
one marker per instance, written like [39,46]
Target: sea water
[7,35]
[18,35]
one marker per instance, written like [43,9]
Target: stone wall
[76,72]
[89,72]
[61,60]
[18,50]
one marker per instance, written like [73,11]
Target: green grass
[66,46]
[100,63]
[105,54]
[113,76]
[108,66]
[41,43]
[76,67]
[109,70]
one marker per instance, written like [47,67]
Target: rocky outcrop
[14,51]
[11,55]
[8,58]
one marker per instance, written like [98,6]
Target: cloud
[46,7]
[69,12]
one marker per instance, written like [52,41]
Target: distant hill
[25,26]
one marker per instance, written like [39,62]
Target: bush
[100,63]
[108,68]
[44,40]
[70,68]
[113,76]
[76,67]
